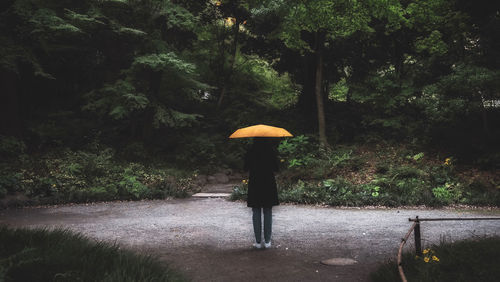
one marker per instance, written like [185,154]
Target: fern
[82,20]
[173,118]
[132,31]
[117,100]
[162,61]
[46,21]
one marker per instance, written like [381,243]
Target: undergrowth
[467,260]
[377,175]
[60,255]
[85,175]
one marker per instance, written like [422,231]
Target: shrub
[406,171]
[410,191]
[199,149]
[441,174]
[337,158]
[479,192]
[240,192]
[296,151]
[448,193]
[94,175]
[130,185]
[135,151]
[331,191]
[298,193]
[169,186]
[11,147]
[9,183]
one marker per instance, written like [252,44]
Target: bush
[11,147]
[338,158]
[92,175]
[448,193]
[296,151]
[240,192]
[478,192]
[303,192]
[199,149]
[130,185]
[397,177]
[380,191]
[341,192]
[9,183]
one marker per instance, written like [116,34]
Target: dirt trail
[209,239]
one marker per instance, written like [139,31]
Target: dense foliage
[91,174]
[120,84]
[376,176]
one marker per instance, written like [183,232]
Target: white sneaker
[267,245]
[257,245]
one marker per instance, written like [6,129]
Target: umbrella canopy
[260,130]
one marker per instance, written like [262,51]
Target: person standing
[261,162]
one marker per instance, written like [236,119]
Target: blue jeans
[257,224]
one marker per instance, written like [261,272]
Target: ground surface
[209,239]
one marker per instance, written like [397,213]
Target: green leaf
[163,61]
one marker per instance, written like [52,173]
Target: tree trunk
[232,59]
[307,99]
[484,116]
[486,128]
[320,40]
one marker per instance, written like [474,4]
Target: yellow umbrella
[260,130]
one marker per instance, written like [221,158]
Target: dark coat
[262,162]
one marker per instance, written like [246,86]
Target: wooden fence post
[416,234]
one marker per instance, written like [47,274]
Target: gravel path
[210,239]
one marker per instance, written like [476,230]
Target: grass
[60,255]
[467,260]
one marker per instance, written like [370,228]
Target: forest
[391,102]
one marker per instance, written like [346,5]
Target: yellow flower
[53,185]
[217,3]
[229,21]
[282,160]
[244,181]
[426,259]
[447,161]
[425,251]
[435,258]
